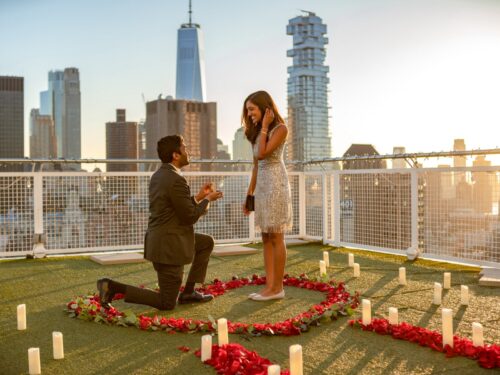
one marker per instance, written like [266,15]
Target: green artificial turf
[333,348]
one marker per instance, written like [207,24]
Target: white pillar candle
[274,370]
[367,312]
[447,280]
[438,290]
[393,315]
[57,345]
[402,276]
[326,258]
[222,331]
[356,270]
[350,258]
[34,361]
[447,316]
[477,334]
[322,268]
[296,366]
[21,317]
[206,347]
[464,295]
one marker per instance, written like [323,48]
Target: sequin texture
[273,199]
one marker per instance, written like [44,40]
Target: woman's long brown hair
[262,100]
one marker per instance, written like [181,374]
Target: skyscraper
[62,102]
[307,89]
[11,117]
[122,142]
[195,121]
[190,83]
[42,135]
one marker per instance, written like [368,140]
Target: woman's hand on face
[268,119]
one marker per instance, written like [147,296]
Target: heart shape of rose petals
[338,302]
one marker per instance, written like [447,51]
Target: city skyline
[430,67]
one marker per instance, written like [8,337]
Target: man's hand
[206,189]
[213,196]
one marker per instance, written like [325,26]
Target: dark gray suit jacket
[173,212]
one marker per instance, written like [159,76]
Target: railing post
[412,251]
[38,237]
[302,205]
[336,208]
[324,191]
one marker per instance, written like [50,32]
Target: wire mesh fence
[16,213]
[459,215]
[375,209]
[448,213]
[314,205]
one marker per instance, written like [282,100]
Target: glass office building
[309,136]
[62,101]
[190,81]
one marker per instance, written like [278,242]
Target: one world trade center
[190,83]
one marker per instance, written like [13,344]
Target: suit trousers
[170,277]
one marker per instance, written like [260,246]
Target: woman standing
[267,132]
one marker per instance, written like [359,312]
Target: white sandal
[279,295]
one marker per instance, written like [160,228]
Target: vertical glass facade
[62,101]
[309,136]
[190,82]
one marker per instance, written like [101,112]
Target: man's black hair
[167,146]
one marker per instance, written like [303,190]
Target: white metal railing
[443,213]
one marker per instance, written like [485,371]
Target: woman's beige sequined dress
[273,200]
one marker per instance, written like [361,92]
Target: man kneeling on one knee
[170,240]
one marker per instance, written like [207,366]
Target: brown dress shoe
[105,293]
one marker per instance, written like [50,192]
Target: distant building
[483,183]
[122,142]
[62,101]
[42,136]
[309,133]
[362,150]
[11,118]
[222,151]
[222,154]
[242,149]
[399,163]
[190,83]
[459,161]
[195,121]
[141,134]
[447,188]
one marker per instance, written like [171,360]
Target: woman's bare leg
[268,262]
[278,251]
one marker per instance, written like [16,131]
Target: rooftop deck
[46,285]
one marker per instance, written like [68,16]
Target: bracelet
[263,132]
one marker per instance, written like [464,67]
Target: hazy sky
[415,73]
